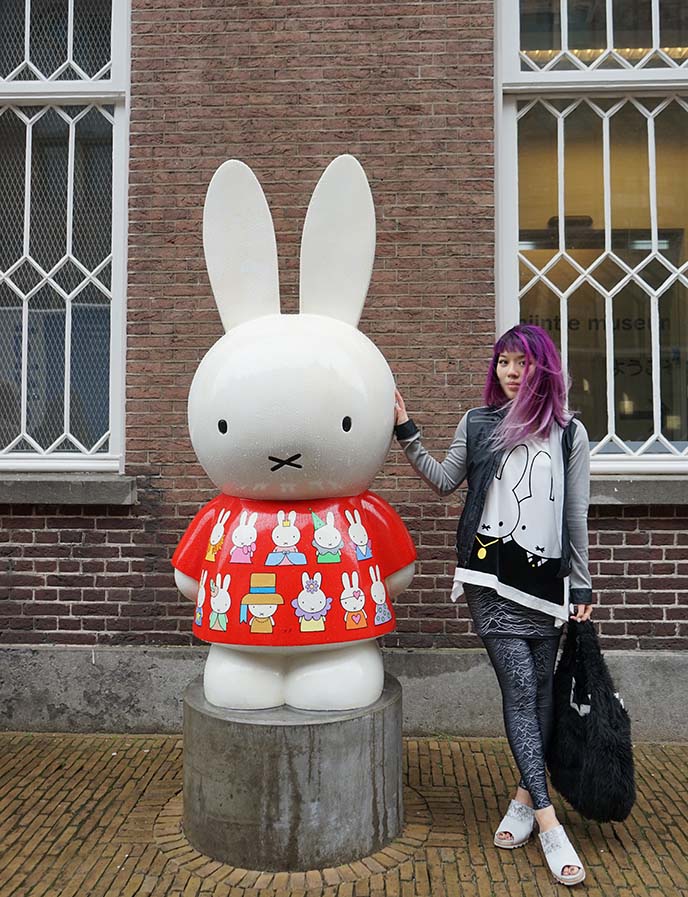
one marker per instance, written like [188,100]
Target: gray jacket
[470,458]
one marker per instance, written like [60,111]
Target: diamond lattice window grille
[605,271]
[63,143]
[55,40]
[55,296]
[575,36]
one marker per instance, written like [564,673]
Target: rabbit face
[357,532]
[377,588]
[354,601]
[352,597]
[262,611]
[245,532]
[286,534]
[312,602]
[220,600]
[292,406]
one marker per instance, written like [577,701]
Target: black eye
[346,424]
[222,426]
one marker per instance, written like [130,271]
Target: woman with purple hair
[522,546]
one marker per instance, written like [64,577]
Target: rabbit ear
[225,584]
[357,516]
[540,480]
[252,518]
[304,579]
[371,570]
[354,579]
[280,517]
[349,518]
[243,517]
[338,243]
[514,466]
[318,578]
[345,580]
[329,517]
[377,571]
[292,517]
[240,247]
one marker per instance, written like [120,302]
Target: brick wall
[408,89]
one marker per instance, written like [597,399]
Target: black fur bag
[590,755]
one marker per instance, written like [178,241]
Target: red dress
[299,585]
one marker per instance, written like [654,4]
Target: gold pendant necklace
[482,551]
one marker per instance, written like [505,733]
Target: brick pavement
[99,815]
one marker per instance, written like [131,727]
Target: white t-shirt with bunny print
[517,547]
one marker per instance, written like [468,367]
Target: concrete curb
[446,691]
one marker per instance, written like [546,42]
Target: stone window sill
[67,489]
[639,490]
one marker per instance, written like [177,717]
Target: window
[592,204]
[63,158]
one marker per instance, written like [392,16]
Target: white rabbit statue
[292,411]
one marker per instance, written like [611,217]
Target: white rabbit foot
[243,680]
[335,678]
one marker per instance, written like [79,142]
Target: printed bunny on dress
[327,540]
[285,536]
[220,601]
[217,536]
[200,600]
[311,604]
[379,595]
[244,539]
[352,600]
[359,536]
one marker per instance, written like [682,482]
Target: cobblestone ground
[100,815]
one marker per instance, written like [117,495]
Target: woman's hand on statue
[583,612]
[400,413]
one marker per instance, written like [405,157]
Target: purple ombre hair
[542,397]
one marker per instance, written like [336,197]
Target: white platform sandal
[518,820]
[559,853]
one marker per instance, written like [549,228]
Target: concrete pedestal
[286,789]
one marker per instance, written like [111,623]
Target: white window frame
[512,85]
[113,91]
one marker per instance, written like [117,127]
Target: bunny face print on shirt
[520,505]
[517,547]
[501,512]
[537,530]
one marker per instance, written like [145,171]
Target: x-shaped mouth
[288,462]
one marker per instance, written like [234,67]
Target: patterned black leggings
[525,669]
